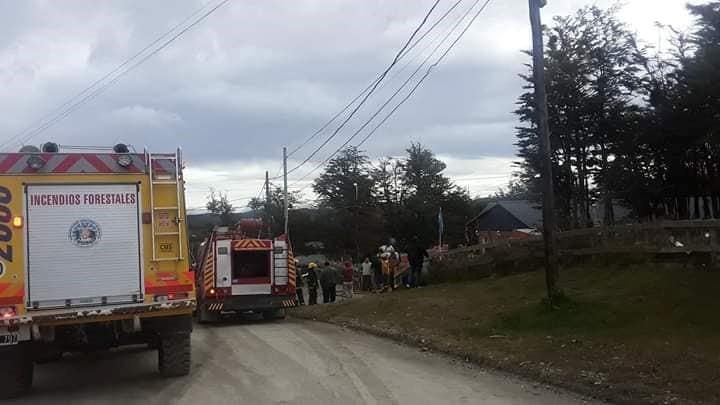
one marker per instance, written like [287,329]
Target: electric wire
[412,91]
[369,86]
[427,73]
[76,105]
[370,92]
[107,75]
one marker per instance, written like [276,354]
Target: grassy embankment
[636,334]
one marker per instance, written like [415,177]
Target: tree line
[629,123]
[361,204]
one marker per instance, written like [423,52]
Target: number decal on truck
[6,252]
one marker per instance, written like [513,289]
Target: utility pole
[285,194]
[268,202]
[356,219]
[551,261]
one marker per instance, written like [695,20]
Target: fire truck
[239,272]
[93,255]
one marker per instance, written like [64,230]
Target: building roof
[527,212]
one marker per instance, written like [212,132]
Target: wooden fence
[686,241]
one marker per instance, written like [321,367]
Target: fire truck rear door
[83,244]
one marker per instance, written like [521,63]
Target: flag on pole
[441,224]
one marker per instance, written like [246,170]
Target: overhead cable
[26,135]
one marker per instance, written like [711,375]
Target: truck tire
[274,314]
[174,355]
[17,373]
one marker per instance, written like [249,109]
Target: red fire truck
[238,272]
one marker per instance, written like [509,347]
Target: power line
[429,70]
[399,89]
[378,78]
[107,75]
[99,90]
[372,89]
[427,73]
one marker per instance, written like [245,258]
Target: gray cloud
[260,75]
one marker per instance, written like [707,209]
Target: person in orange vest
[389,261]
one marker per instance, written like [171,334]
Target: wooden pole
[286,207]
[551,261]
[268,204]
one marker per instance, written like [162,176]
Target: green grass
[652,331]
[567,317]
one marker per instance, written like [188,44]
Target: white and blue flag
[441,224]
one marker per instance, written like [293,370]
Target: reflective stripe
[209,271]
[292,271]
[251,244]
[16,163]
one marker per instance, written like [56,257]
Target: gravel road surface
[287,362]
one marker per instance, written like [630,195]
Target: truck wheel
[274,314]
[174,355]
[17,373]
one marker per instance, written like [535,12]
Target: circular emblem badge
[84,233]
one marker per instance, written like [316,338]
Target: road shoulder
[456,355]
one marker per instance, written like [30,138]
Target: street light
[356,191]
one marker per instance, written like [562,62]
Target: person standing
[389,261]
[348,271]
[377,273]
[299,288]
[416,257]
[367,274]
[312,282]
[328,281]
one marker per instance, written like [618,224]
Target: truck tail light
[219,292]
[7,312]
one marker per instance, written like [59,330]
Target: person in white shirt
[367,274]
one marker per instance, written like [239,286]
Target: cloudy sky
[259,75]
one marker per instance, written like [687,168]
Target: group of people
[377,273]
[389,264]
[326,278]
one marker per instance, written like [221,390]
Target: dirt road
[290,362]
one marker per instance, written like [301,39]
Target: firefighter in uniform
[312,283]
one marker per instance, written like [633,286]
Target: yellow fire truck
[93,255]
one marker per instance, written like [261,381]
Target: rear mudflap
[240,304]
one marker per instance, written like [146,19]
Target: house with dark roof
[517,219]
[520,219]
